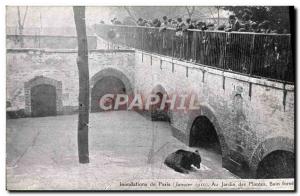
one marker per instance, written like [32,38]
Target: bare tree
[218,9]
[190,11]
[212,15]
[129,12]
[83,71]
[21,23]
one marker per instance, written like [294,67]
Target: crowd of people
[242,23]
[263,56]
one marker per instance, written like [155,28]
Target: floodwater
[123,146]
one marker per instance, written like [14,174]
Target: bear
[182,160]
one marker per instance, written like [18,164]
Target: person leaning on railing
[179,38]
[232,53]
[234,24]
[260,53]
[165,21]
[188,38]
[162,29]
[141,22]
[156,22]
[265,27]
[246,23]
[115,21]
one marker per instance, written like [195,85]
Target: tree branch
[129,13]
[190,12]
[24,16]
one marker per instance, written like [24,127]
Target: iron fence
[255,54]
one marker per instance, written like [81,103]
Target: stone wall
[24,65]
[48,41]
[252,117]
[245,111]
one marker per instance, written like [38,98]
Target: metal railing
[254,54]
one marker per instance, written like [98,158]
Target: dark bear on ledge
[182,160]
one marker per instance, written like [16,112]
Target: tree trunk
[20,25]
[218,8]
[83,71]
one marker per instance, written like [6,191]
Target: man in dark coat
[188,39]
[234,24]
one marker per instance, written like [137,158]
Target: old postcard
[143,98]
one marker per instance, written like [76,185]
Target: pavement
[123,146]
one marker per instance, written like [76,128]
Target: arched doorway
[43,96]
[277,164]
[106,85]
[204,135]
[43,100]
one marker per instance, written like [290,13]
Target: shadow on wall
[16,114]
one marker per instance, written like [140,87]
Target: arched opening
[204,135]
[43,100]
[278,164]
[158,114]
[107,85]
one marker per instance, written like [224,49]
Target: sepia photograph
[150,98]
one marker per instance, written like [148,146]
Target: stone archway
[106,85]
[108,81]
[208,113]
[43,97]
[204,135]
[272,147]
[277,164]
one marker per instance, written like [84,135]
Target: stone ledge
[229,74]
[44,50]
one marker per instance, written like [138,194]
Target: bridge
[244,83]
